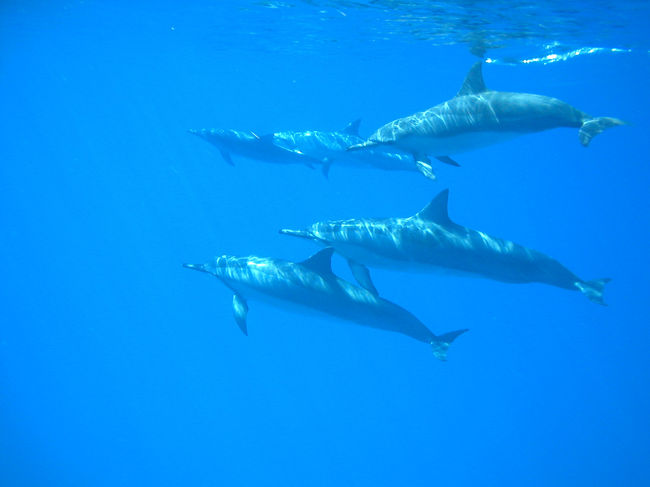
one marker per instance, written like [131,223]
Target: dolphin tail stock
[440,343]
[593,289]
[593,126]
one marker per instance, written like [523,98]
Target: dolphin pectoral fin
[447,160]
[594,126]
[240,310]
[362,275]
[440,344]
[421,158]
[226,157]
[425,169]
[593,289]
[326,165]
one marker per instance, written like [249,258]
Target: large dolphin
[312,286]
[477,117]
[331,148]
[252,146]
[430,241]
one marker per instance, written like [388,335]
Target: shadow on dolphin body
[311,286]
[477,117]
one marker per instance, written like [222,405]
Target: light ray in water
[555,57]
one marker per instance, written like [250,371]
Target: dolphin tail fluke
[362,145]
[440,343]
[593,289]
[592,127]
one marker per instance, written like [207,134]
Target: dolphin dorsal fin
[352,128]
[473,81]
[436,211]
[320,262]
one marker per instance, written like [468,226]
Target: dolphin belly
[295,298]
[345,302]
[453,144]
[442,263]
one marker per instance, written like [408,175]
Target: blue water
[119,367]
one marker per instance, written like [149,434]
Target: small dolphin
[330,147]
[312,286]
[477,117]
[430,241]
[249,144]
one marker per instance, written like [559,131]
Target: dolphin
[310,147]
[330,147]
[477,117]
[312,286]
[252,146]
[430,241]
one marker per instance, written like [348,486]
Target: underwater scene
[324,242]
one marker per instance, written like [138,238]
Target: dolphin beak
[196,267]
[202,133]
[298,233]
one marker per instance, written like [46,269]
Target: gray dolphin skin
[312,286]
[430,241]
[477,117]
[250,145]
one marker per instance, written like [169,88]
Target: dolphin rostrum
[477,117]
[430,241]
[312,286]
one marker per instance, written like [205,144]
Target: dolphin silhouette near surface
[429,241]
[477,117]
[311,286]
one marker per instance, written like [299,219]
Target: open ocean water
[120,367]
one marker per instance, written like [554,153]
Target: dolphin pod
[427,241]
[310,147]
[477,117]
[430,241]
[313,287]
